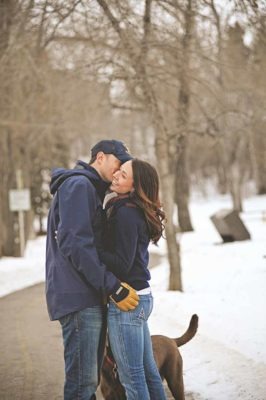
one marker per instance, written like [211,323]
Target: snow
[19,273]
[225,284]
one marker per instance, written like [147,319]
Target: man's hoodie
[75,277]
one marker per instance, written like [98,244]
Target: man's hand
[125,297]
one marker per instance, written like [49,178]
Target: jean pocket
[141,314]
[144,309]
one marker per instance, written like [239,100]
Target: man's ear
[100,156]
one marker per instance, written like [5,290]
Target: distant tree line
[181,81]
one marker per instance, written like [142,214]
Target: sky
[224,284]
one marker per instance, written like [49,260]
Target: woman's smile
[123,179]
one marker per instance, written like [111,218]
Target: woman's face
[123,179]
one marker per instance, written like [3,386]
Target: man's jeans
[84,338]
[132,349]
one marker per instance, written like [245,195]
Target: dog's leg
[174,378]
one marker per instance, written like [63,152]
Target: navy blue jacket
[126,242]
[75,276]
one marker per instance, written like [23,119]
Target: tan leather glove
[125,298]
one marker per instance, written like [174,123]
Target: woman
[134,218]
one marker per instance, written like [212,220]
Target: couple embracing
[97,273]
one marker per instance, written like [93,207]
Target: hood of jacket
[59,175]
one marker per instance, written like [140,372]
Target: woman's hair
[146,196]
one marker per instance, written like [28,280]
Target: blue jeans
[132,349]
[84,335]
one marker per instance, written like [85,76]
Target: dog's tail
[190,332]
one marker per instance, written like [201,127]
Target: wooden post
[19,181]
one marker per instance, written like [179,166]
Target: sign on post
[19,200]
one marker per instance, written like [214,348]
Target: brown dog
[168,360]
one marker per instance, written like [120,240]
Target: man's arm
[75,237]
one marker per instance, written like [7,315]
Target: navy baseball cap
[115,147]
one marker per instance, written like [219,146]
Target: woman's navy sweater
[126,242]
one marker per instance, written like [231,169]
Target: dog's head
[110,384]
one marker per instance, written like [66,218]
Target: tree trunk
[175,280]
[6,8]
[260,161]
[235,188]
[2,191]
[182,174]
[167,188]
[220,166]
[182,189]
[237,173]
[11,244]
[5,23]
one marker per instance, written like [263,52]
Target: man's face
[109,165]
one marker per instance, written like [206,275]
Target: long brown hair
[146,196]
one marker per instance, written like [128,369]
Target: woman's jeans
[84,335]
[132,349]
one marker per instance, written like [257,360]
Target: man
[77,283]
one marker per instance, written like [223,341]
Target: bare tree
[38,115]
[137,53]
[182,183]
[258,105]
[6,15]
[73,72]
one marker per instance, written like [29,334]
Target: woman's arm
[126,234]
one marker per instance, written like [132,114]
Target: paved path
[31,350]
[31,361]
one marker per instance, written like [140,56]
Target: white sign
[19,200]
